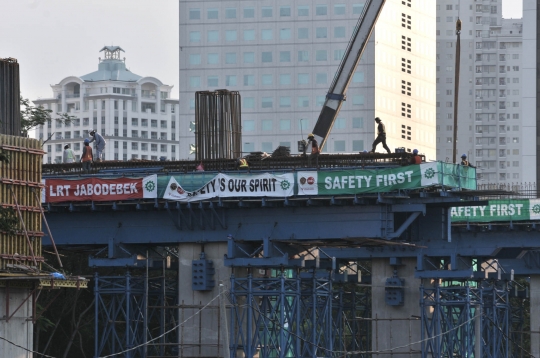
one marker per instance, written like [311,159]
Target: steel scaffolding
[131,311]
[456,319]
[302,316]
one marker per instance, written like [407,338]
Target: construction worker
[100,144]
[415,159]
[315,150]
[465,162]
[242,163]
[381,136]
[69,156]
[86,157]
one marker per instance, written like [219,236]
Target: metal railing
[518,190]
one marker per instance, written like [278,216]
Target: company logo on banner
[430,174]
[307,183]
[223,185]
[96,189]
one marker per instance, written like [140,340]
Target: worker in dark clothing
[381,136]
[315,150]
[465,162]
[86,157]
[415,159]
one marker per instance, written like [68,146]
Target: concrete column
[535,315]
[19,330]
[395,326]
[202,335]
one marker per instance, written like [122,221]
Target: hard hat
[415,151]
[92,131]
[377,119]
[86,140]
[464,156]
[310,135]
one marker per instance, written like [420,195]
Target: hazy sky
[53,39]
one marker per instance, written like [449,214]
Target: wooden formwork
[20,190]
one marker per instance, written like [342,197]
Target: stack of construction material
[281,151]
[10,113]
[20,202]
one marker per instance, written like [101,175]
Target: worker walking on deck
[465,162]
[415,159]
[86,157]
[381,136]
[69,156]
[315,150]
[100,144]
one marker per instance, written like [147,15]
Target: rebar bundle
[10,121]
[217,125]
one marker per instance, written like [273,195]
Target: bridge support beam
[395,326]
[16,324]
[535,315]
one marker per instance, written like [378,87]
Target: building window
[231,35]
[163,148]
[285,124]
[266,11]
[321,78]
[267,147]
[230,13]
[303,78]
[266,124]
[249,13]
[194,81]
[303,56]
[266,34]
[134,146]
[230,58]
[321,55]
[213,36]
[248,103]
[267,80]
[153,147]
[303,102]
[134,122]
[267,102]
[266,57]
[285,34]
[340,123]
[284,56]
[213,81]
[212,14]
[303,33]
[230,80]
[194,14]
[249,57]
[195,36]
[357,9]
[284,11]
[248,125]
[144,122]
[357,145]
[339,32]
[339,146]
[285,79]
[249,80]
[212,59]
[284,102]
[321,10]
[321,32]
[303,10]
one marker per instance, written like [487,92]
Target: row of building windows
[231,58]
[116,133]
[58,158]
[339,146]
[134,146]
[249,125]
[231,13]
[302,33]
[134,122]
[267,80]
[285,102]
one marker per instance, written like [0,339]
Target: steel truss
[130,311]
[455,319]
[302,316]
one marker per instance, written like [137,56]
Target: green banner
[499,210]
[358,181]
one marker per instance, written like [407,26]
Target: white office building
[135,114]
[282,56]
[496,129]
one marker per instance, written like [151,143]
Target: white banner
[307,183]
[224,186]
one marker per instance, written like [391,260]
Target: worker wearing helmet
[100,144]
[86,157]
[381,136]
[315,150]
[465,162]
[415,159]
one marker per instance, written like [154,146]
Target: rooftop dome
[111,68]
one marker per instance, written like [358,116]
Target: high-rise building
[282,57]
[493,129]
[135,114]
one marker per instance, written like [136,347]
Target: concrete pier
[19,330]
